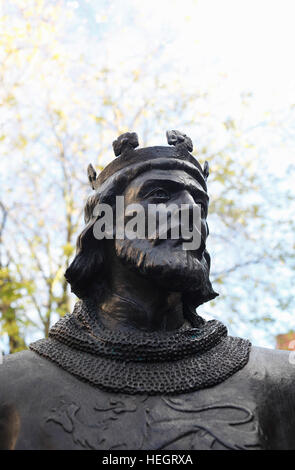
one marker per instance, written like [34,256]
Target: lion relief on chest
[154,423]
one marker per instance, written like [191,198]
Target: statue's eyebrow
[176,185]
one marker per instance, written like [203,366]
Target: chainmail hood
[139,362]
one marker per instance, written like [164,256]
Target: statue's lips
[183,238]
[176,241]
[178,245]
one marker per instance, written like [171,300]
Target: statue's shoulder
[266,354]
[20,364]
[274,364]
[271,379]
[24,362]
[26,373]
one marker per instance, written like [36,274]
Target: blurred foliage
[62,103]
[11,308]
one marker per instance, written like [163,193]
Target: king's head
[158,176]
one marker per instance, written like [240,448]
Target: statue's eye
[159,194]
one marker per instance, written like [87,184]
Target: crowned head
[159,175]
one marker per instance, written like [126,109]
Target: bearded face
[164,260]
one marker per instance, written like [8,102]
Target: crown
[124,148]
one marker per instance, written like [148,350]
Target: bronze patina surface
[134,366]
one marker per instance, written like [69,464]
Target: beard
[170,266]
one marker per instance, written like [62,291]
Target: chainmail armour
[140,362]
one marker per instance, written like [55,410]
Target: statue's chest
[116,421]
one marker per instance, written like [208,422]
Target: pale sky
[228,47]
[251,41]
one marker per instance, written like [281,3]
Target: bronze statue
[134,354]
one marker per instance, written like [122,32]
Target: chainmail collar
[139,362]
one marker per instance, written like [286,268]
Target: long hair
[86,272]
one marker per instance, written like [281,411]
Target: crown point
[175,138]
[126,141]
[91,173]
[206,170]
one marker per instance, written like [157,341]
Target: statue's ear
[87,266]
